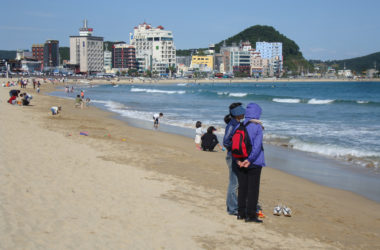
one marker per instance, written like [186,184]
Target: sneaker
[277,210]
[286,211]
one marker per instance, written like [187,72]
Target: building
[185,60]
[273,52]
[87,51]
[204,63]
[51,53]
[107,60]
[38,51]
[153,46]
[124,56]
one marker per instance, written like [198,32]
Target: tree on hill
[64,54]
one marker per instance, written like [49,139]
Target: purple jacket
[255,132]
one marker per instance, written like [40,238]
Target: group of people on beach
[80,101]
[244,172]
[16,97]
[244,167]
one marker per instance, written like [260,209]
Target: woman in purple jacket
[250,168]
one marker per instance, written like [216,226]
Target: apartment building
[86,50]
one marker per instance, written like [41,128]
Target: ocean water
[339,120]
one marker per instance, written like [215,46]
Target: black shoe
[241,217]
[253,219]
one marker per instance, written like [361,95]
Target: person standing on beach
[156,118]
[250,168]
[233,121]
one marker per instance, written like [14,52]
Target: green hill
[358,64]
[293,58]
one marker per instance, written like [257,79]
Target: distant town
[151,52]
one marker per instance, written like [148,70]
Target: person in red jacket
[12,100]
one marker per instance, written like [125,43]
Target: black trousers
[248,192]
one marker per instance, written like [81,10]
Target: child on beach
[55,110]
[155,119]
[198,134]
[78,101]
[209,140]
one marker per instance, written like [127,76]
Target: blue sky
[324,29]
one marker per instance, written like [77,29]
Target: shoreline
[323,217]
[141,80]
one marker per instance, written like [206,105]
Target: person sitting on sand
[198,134]
[209,140]
[26,99]
[12,100]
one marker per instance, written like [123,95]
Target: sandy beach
[123,187]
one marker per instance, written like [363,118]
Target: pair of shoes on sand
[278,210]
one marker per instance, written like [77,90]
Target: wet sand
[126,187]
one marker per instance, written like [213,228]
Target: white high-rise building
[87,50]
[107,60]
[272,52]
[155,43]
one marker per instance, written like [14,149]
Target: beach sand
[123,187]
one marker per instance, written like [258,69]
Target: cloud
[24,28]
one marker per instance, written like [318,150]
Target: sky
[323,29]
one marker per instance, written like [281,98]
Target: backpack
[241,144]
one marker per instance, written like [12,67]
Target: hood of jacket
[253,111]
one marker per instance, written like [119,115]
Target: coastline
[194,181]
[141,80]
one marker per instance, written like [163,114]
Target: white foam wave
[286,100]
[238,94]
[222,93]
[158,91]
[181,84]
[316,101]
[330,150]
[362,102]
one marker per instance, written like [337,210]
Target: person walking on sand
[156,118]
[250,168]
[233,121]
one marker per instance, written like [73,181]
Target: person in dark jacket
[233,121]
[209,140]
[250,168]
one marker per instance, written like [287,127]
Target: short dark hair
[161,114]
[211,129]
[198,124]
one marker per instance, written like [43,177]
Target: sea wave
[316,101]
[287,100]
[238,94]
[158,91]
[362,102]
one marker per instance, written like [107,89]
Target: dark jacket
[209,141]
[255,132]
[229,132]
